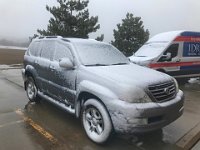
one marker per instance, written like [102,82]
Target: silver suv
[98,84]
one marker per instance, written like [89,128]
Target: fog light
[139,121]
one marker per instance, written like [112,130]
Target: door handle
[36,62]
[52,67]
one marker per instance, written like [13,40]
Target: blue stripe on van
[195,67]
[189,33]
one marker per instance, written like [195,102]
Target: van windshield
[152,49]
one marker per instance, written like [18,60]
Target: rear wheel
[31,90]
[96,121]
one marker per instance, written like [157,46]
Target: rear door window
[62,51]
[35,48]
[48,49]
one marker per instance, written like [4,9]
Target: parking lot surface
[31,126]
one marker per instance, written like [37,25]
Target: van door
[191,59]
[170,59]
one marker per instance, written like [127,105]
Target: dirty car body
[135,98]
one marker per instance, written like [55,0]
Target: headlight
[144,99]
[176,84]
[133,94]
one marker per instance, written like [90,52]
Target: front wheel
[96,121]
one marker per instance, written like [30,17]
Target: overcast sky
[21,18]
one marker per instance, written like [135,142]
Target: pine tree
[130,35]
[70,19]
[100,38]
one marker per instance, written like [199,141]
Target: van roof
[170,36]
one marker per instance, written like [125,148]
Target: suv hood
[130,74]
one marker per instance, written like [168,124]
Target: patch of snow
[151,50]
[13,47]
[165,37]
[13,66]
[194,80]
[92,53]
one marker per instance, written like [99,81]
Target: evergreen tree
[130,35]
[100,38]
[70,19]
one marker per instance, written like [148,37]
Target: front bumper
[144,117]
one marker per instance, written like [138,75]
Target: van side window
[35,48]
[173,50]
[62,51]
[48,49]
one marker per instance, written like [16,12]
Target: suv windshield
[151,49]
[99,54]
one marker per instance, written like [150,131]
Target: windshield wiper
[97,65]
[120,64]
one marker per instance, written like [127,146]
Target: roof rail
[53,37]
[48,37]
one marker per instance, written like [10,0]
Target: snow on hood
[137,59]
[130,74]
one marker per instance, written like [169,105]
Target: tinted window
[173,50]
[62,51]
[48,49]
[35,48]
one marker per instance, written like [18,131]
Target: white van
[176,53]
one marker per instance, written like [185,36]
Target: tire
[31,90]
[182,81]
[96,121]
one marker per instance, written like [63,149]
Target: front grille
[162,92]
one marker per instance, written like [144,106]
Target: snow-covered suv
[97,83]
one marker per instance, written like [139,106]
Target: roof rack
[48,37]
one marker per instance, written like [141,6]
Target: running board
[187,75]
[61,105]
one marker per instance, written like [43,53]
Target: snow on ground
[14,66]
[13,47]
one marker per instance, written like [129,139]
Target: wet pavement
[42,126]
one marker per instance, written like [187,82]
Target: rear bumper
[23,74]
[133,118]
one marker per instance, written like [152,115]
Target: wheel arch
[30,72]
[82,97]
[161,70]
[88,89]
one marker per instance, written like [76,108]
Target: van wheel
[182,81]
[96,121]
[31,90]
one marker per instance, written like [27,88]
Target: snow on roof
[165,37]
[80,40]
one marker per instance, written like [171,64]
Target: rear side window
[35,48]
[48,49]
[62,51]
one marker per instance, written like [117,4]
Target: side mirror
[167,56]
[66,63]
